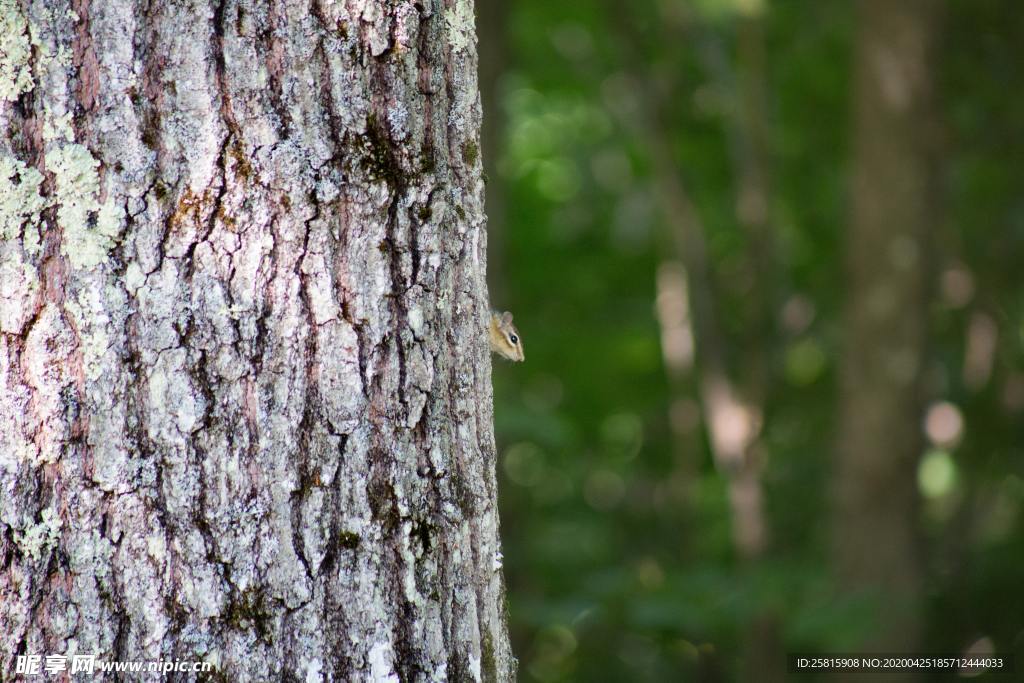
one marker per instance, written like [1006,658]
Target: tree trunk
[246,404]
[886,318]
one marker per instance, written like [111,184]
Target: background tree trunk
[246,412]
[886,317]
[494,61]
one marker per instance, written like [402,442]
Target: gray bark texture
[245,389]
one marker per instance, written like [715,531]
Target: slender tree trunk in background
[747,130]
[764,655]
[886,316]
[732,422]
[752,157]
[245,400]
[687,317]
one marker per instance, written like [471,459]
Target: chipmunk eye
[513,338]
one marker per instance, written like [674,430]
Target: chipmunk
[504,336]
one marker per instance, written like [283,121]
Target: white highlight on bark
[381,667]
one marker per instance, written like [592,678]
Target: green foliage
[618,542]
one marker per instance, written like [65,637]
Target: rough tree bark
[245,401]
[886,316]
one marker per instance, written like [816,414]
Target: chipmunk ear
[506,318]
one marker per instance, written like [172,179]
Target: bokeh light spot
[936,475]
[944,424]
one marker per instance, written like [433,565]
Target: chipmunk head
[504,336]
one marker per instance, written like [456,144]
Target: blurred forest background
[765,258]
